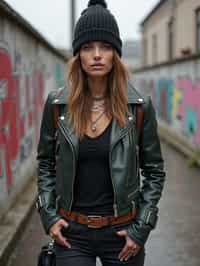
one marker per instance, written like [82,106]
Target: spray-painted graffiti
[177,102]
[189,107]
[17,117]
[22,96]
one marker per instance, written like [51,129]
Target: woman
[89,193]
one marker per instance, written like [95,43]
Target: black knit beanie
[96,23]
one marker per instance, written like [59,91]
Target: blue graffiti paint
[190,122]
[165,87]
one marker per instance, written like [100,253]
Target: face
[96,58]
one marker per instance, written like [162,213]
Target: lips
[97,65]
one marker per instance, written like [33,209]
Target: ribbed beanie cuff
[97,35]
[96,23]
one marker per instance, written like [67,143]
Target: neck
[97,86]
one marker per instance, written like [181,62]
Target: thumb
[122,233]
[63,223]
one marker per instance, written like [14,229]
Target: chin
[97,74]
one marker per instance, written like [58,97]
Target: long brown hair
[79,100]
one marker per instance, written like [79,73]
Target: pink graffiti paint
[8,141]
[191,99]
[12,122]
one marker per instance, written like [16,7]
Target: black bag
[47,256]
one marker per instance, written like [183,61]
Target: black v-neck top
[93,190]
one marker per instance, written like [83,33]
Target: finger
[132,252]
[128,255]
[124,252]
[64,223]
[122,233]
[63,243]
[62,240]
[135,245]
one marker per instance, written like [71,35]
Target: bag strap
[139,111]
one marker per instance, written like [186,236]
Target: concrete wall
[184,30]
[175,90]
[29,68]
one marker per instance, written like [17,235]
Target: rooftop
[157,6]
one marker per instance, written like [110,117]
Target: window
[154,48]
[145,52]
[198,29]
[170,39]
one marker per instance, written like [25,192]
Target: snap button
[140,100]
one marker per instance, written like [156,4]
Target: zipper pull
[133,206]
[115,210]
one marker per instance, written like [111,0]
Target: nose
[97,53]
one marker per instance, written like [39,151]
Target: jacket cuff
[48,218]
[148,216]
[46,207]
[141,227]
[139,232]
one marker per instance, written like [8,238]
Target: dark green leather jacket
[57,165]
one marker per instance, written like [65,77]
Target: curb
[12,224]
[180,143]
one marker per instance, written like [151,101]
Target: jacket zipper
[74,159]
[112,179]
[133,192]
[137,161]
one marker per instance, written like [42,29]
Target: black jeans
[89,243]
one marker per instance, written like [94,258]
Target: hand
[130,248]
[55,233]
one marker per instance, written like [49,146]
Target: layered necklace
[98,105]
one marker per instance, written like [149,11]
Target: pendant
[94,127]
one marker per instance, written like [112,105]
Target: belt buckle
[89,217]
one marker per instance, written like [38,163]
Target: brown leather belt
[97,221]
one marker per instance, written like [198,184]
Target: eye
[107,46]
[86,47]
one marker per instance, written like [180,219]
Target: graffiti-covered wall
[175,91]
[28,70]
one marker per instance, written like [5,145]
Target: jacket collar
[134,96]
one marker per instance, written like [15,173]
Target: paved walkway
[176,240]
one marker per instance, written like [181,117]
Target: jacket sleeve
[46,167]
[152,170]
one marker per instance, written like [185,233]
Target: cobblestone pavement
[176,240]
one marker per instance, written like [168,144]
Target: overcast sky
[52,18]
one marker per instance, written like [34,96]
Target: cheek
[84,63]
[110,63]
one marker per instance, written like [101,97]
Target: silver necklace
[98,106]
[94,123]
[98,98]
